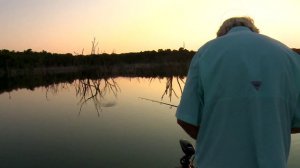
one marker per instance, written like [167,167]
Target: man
[241,100]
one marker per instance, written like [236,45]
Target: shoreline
[32,79]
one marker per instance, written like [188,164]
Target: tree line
[143,63]
[32,59]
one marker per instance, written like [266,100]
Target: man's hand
[189,129]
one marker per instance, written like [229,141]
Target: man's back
[250,91]
[249,85]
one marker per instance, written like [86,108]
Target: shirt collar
[239,29]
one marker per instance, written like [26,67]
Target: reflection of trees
[55,88]
[88,90]
[94,90]
[170,90]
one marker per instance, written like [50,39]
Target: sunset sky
[68,26]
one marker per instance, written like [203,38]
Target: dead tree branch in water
[94,46]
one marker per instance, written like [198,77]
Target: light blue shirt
[243,91]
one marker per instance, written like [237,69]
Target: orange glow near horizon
[134,25]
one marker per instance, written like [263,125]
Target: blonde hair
[236,21]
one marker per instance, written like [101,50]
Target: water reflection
[42,127]
[88,90]
[94,90]
[55,88]
[170,90]
[173,84]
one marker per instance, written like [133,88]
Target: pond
[96,123]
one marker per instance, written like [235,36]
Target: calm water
[96,123]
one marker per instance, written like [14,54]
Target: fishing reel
[189,151]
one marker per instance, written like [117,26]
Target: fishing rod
[160,102]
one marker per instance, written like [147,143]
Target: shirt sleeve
[191,103]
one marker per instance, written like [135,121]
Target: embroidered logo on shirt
[256,84]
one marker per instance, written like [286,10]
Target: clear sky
[67,26]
